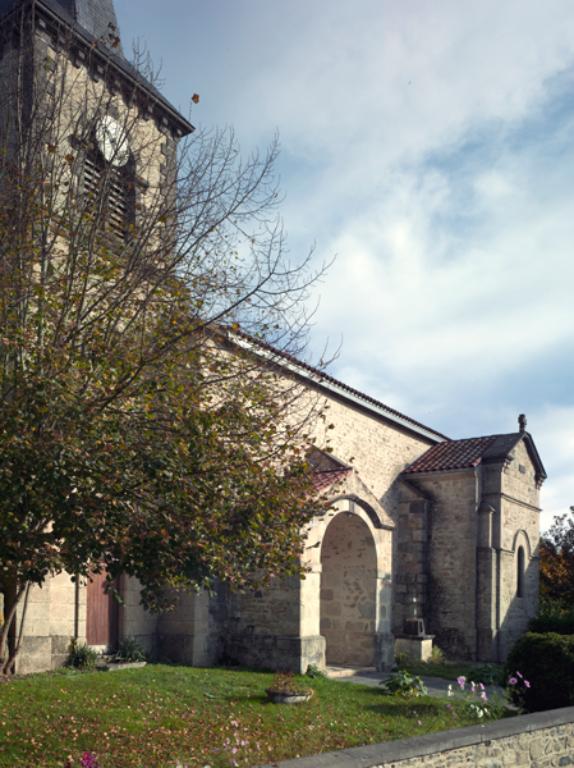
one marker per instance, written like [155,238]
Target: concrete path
[437,686]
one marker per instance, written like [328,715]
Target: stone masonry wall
[451,612]
[541,740]
[348,592]
[135,621]
[412,561]
[379,451]
[520,514]
[54,615]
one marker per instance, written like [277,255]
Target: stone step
[335,672]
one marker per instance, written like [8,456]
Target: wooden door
[102,621]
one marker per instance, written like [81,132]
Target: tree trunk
[10,642]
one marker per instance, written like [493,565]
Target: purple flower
[518,674]
[527,684]
[512,681]
[484,696]
[89,761]
[461,681]
[481,686]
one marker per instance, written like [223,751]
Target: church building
[420,526]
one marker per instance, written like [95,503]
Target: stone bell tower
[87,138]
[63,69]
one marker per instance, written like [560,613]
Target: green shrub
[81,656]
[130,650]
[313,671]
[563,624]
[402,683]
[546,660]
[437,655]
[401,660]
[489,674]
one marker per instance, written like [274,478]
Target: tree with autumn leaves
[557,565]
[136,434]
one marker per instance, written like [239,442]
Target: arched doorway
[349,592]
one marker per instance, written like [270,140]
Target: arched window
[520,572]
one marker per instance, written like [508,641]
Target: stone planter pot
[289,697]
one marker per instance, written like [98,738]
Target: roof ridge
[480,437]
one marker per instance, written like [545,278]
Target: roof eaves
[421,473]
[535,456]
[329,383]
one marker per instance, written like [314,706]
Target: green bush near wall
[546,660]
[562,624]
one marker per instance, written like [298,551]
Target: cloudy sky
[429,145]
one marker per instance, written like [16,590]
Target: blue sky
[430,147]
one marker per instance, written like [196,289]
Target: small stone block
[414,648]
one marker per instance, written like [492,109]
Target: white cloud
[429,145]
[555,427]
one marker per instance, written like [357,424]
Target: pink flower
[527,684]
[512,681]
[461,681]
[483,696]
[518,674]
[89,761]
[481,686]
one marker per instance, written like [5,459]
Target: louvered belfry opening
[109,194]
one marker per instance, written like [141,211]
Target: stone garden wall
[541,740]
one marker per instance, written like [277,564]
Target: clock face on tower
[113,141]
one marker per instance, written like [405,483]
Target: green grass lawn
[159,715]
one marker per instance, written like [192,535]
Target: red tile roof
[323,480]
[461,454]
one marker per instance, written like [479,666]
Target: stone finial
[522,422]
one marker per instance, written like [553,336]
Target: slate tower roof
[94,26]
[97,17]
